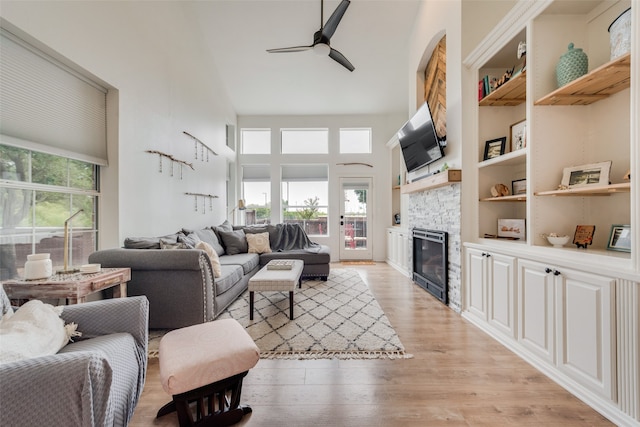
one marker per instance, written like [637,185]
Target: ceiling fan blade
[340,58]
[335,18]
[290,49]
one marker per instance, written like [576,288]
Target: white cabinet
[585,328]
[398,245]
[491,289]
[536,309]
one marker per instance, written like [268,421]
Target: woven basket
[573,64]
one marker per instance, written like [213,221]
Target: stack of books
[280,264]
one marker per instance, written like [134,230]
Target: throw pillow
[170,245]
[213,257]
[189,239]
[234,242]
[209,236]
[258,243]
[34,330]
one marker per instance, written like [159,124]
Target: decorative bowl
[558,241]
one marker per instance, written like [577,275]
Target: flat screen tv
[419,141]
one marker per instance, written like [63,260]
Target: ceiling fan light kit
[321,39]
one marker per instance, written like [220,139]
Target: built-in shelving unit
[604,81]
[512,93]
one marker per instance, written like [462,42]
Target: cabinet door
[403,248]
[476,283]
[501,293]
[586,329]
[536,309]
[389,245]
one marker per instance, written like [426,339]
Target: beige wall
[479,17]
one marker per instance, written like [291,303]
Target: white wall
[151,57]
[383,128]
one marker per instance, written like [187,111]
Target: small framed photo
[518,135]
[494,148]
[511,228]
[584,235]
[591,174]
[620,238]
[519,187]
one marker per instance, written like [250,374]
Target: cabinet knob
[547,270]
[556,273]
[488,255]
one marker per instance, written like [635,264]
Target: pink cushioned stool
[205,364]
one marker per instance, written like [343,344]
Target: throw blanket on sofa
[292,236]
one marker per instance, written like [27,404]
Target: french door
[355,218]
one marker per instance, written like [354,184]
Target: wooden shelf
[590,190]
[511,198]
[512,93]
[518,157]
[449,176]
[396,187]
[599,84]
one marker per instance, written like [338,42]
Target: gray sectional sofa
[179,281]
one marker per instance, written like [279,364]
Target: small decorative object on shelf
[511,228]
[518,135]
[627,176]
[494,148]
[591,174]
[620,238]
[201,146]
[499,190]
[555,240]
[584,236]
[620,34]
[38,266]
[519,186]
[573,64]
[505,78]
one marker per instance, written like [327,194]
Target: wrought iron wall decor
[172,161]
[199,145]
[204,198]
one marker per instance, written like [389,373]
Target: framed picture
[592,174]
[494,148]
[511,228]
[519,187]
[584,235]
[518,135]
[620,238]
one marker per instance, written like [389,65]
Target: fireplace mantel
[441,179]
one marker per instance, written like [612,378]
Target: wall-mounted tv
[419,141]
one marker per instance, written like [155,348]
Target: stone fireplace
[439,209]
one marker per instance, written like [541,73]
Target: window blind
[312,172]
[46,106]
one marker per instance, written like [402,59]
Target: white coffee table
[276,281]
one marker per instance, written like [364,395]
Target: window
[256,191]
[305,197]
[305,141]
[256,141]
[39,192]
[355,141]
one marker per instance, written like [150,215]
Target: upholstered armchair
[94,381]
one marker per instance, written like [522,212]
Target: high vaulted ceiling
[373,35]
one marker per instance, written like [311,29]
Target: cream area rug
[339,318]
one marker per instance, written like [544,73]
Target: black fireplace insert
[430,266]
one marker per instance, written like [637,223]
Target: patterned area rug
[339,318]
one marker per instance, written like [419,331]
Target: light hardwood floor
[458,376]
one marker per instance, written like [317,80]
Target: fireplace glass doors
[430,267]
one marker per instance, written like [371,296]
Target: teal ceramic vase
[573,64]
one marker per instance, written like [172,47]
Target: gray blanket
[291,236]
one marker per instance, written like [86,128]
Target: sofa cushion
[247,261]
[206,235]
[213,257]
[234,242]
[258,243]
[172,245]
[149,242]
[230,275]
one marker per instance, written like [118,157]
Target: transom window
[305,141]
[355,141]
[255,141]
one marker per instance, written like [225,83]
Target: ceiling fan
[322,37]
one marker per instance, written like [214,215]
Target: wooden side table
[74,287]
